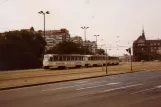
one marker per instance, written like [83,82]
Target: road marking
[143,90]
[124,87]
[81,82]
[159,86]
[149,89]
[72,86]
[98,86]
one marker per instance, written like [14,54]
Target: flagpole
[131,58]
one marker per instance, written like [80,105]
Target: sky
[118,22]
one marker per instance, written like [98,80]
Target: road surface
[140,89]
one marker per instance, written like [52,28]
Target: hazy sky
[113,20]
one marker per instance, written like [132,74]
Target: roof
[141,37]
[153,41]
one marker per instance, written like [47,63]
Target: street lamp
[85,28]
[96,43]
[44,13]
[96,37]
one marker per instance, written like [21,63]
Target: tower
[143,33]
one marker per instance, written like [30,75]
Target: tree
[21,49]
[100,51]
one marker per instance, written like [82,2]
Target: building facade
[91,45]
[53,37]
[144,49]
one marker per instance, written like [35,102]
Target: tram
[52,61]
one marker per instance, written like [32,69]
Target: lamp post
[44,13]
[96,37]
[96,43]
[106,62]
[85,28]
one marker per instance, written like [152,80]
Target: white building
[53,37]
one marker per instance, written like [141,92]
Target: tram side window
[64,58]
[89,58]
[94,57]
[76,58]
[104,58]
[85,58]
[50,59]
[81,58]
[55,58]
[68,58]
[72,58]
[60,58]
[98,58]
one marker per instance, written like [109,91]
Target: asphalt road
[140,89]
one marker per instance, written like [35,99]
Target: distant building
[125,58]
[91,45]
[53,37]
[76,39]
[146,49]
[30,30]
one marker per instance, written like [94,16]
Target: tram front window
[47,58]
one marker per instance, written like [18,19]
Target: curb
[31,85]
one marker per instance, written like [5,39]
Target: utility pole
[131,59]
[106,62]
